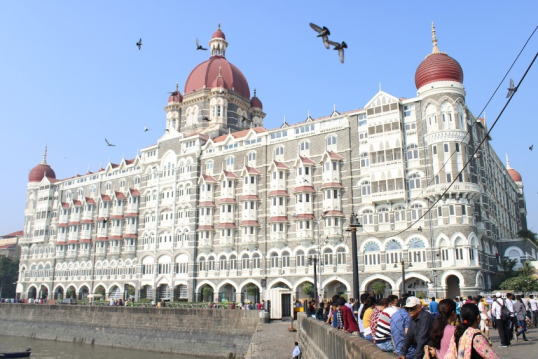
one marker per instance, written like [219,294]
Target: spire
[177,86]
[219,24]
[434,41]
[508,163]
[254,92]
[44,162]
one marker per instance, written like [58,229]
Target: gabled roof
[332,155]
[134,192]
[239,134]
[89,200]
[15,234]
[119,195]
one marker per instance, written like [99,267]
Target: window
[279,134]
[445,147]
[383,216]
[331,141]
[328,257]
[279,151]
[367,217]
[414,181]
[274,260]
[305,145]
[222,263]
[304,129]
[233,262]
[230,161]
[412,152]
[341,256]
[299,259]
[252,157]
[408,110]
[256,261]
[365,160]
[448,177]
[434,149]
[416,211]
[209,166]
[399,214]
[285,260]
[371,254]
[245,261]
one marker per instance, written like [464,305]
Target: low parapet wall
[318,340]
[219,333]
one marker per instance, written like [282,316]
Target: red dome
[204,75]
[38,172]
[175,97]
[218,34]
[438,67]
[515,175]
[255,102]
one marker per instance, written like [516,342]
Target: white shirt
[534,305]
[526,303]
[296,352]
[359,320]
[497,306]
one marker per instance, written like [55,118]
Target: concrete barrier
[318,340]
[219,333]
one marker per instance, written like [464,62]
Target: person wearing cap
[503,326]
[419,328]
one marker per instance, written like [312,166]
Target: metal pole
[355,262]
[315,260]
[403,277]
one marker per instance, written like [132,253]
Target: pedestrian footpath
[273,340]
[517,350]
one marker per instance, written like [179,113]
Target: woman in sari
[468,341]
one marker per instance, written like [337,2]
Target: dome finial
[254,92]
[219,24]
[434,41]
[44,162]
[177,86]
[508,163]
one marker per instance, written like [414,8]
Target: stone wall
[218,333]
[318,340]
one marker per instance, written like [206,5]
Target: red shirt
[350,324]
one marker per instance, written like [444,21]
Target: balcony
[62,237]
[459,189]
[71,254]
[84,253]
[333,234]
[250,241]
[129,251]
[382,197]
[279,239]
[117,211]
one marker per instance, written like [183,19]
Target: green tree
[525,233]
[307,288]
[379,287]
[252,290]
[9,274]
[520,284]
[527,270]
[508,265]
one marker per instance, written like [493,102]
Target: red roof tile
[87,221]
[115,238]
[65,205]
[281,165]
[116,216]
[306,160]
[105,198]
[227,225]
[86,240]
[62,224]
[208,178]
[278,193]
[250,223]
[130,235]
[252,170]
[278,219]
[305,216]
[239,134]
[119,195]
[15,234]
[333,214]
[249,197]
[101,239]
[206,228]
[74,223]
[206,204]
[90,200]
[227,200]
[77,203]
[335,156]
[134,192]
[229,174]
[131,214]
[72,242]
[304,189]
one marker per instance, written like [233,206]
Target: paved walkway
[518,350]
[273,340]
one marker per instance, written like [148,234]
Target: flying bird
[323,33]
[105,219]
[198,46]
[146,129]
[205,118]
[139,44]
[530,148]
[340,48]
[511,89]
[167,130]
[108,143]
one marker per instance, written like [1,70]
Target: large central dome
[205,75]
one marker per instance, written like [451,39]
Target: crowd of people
[448,329]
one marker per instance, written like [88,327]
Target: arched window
[446,116]
[255,261]
[417,251]
[233,262]
[341,256]
[412,152]
[461,122]
[229,161]
[245,261]
[399,214]
[383,215]
[328,257]
[416,211]
[367,216]
[365,159]
[209,166]
[274,260]
[431,118]
[222,263]
[285,259]
[371,254]
[299,259]
[211,263]
[331,140]
[393,252]
[365,188]
[279,151]
[305,145]
[189,166]
[202,264]
[414,181]
[252,157]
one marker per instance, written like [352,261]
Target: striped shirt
[382,332]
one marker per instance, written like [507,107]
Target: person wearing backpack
[501,310]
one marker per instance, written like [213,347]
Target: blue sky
[71,75]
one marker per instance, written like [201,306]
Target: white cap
[412,302]
[498,294]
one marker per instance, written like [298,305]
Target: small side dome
[255,101]
[176,95]
[512,172]
[218,34]
[41,170]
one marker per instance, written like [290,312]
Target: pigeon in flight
[146,129]
[340,48]
[323,33]
[166,130]
[139,44]
[511,89]
[105,220]
[205,118]
[198,46]
[530,148]
[108,143]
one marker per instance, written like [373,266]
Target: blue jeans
[368,337]
[523,325]
[386,346]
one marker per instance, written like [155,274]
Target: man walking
[419,328]
[433,307]
[503,322]
[296,352]
[534,310]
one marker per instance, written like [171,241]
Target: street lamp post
[402,263]
[353,225]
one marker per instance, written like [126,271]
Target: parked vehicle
[69,301]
